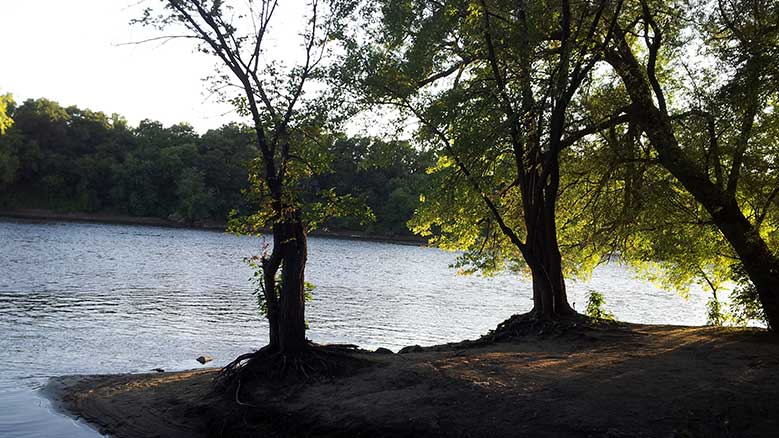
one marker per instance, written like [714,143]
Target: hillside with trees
[70,159]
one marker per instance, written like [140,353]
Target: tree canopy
[709,124]
[6,101]
[648,125]
[175,173]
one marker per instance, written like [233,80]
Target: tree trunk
[543,256]
[760,264]
[270,267]
[291,310]
[550,299]
[554,259]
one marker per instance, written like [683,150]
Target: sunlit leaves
[6,101]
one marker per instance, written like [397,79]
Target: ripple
[92,298]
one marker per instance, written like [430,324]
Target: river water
[91,298]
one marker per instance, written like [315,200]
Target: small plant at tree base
[595,302]
[716,315]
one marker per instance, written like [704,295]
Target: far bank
[211,225]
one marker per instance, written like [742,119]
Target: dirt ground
[621,381]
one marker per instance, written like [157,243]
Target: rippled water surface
[89,298]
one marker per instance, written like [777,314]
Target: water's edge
[95,299]
[217,226]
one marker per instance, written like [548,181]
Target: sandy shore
[627,381]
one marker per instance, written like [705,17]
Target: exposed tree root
[532,323]
[316,362]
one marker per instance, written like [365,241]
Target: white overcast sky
[68,51]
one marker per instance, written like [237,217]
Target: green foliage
[595,303]
[79,160]
[744,301]
[716,314]
[258,281]
[329,206]
[383,180]
[195,199]
[9,160]
[627,202]
[6,102]
[485,109]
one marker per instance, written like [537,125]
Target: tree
[75,159]
[194,198]
[493,85]
[226,154]
[6,101]
[287,127]
[387,175]
[720,147]
[9,161]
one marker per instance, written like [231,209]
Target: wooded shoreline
[119,219]
[619,380]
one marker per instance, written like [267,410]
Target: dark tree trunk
[270,267]
[550,299]
[760,264]
[554,259]
[292,320]
[286,299]
[286,303]
[542,255]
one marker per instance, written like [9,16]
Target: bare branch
[164,38]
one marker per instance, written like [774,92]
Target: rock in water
[382,350]
[159,370]
[205,358]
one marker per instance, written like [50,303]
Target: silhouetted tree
[287,127]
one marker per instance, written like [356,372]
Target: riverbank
[620,381]
[119,219]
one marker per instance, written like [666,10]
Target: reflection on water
[89,298]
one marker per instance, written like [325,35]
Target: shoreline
[625,380]
[118,219]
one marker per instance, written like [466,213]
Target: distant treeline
[77,160]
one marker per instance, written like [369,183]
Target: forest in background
[71,159]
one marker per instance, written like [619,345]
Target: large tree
[287,125]
[715,138]
[493,86]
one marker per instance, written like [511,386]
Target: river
[79,298]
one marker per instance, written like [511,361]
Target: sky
[71,51]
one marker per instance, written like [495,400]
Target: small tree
[288,128]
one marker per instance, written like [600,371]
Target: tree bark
[542,254]
[760,264]
[291,315]
[270,267]
[286,299]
